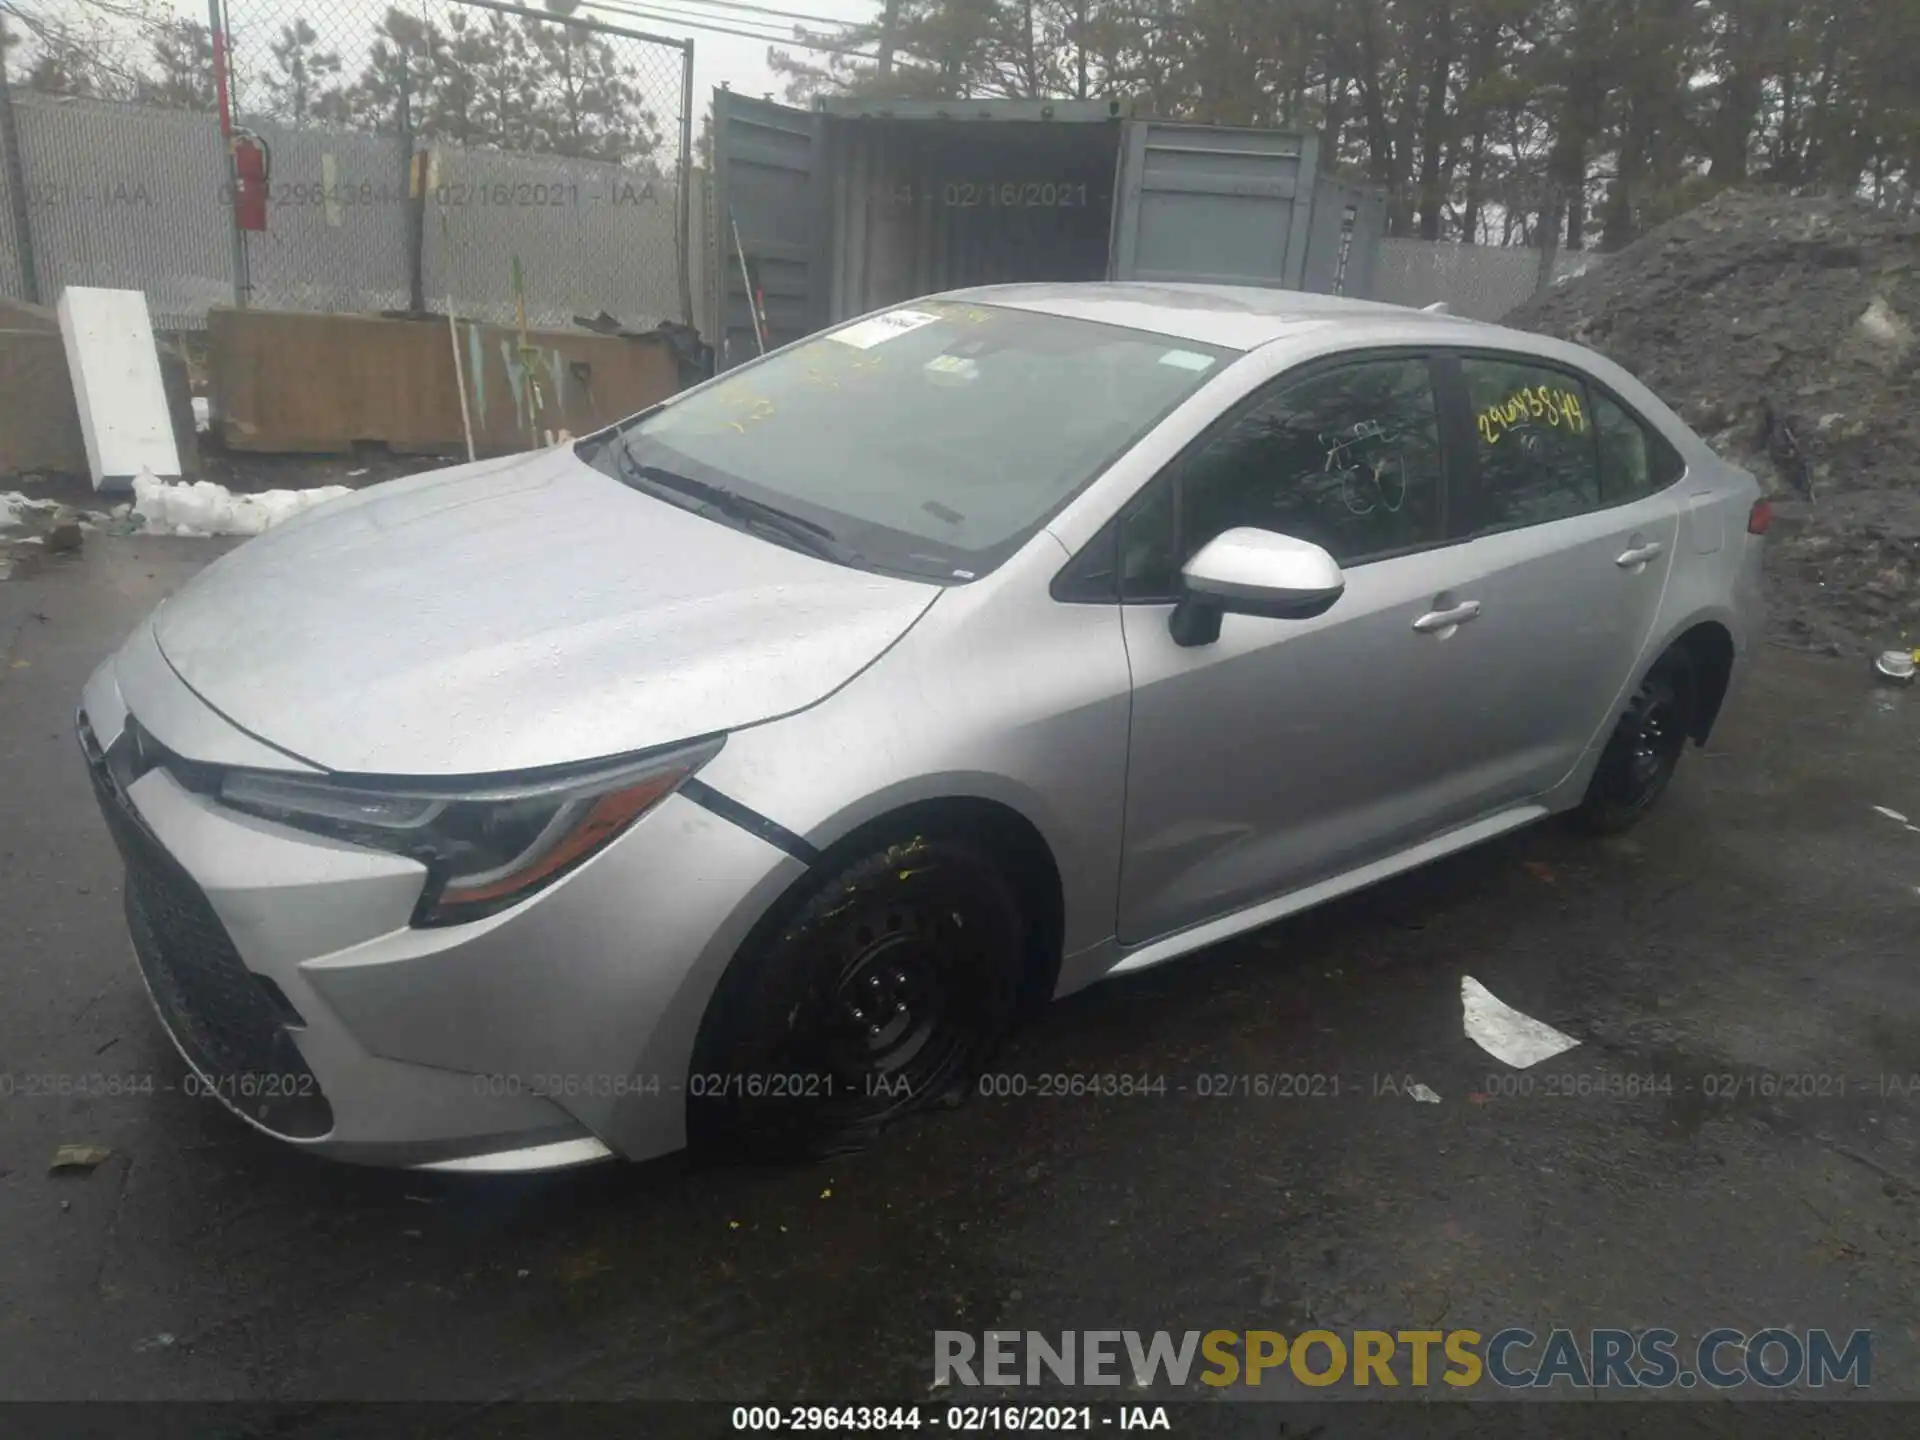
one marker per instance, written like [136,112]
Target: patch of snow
[204,508]
[1881,322]
[13,505]
[202,413]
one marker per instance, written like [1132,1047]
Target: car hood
[511,615]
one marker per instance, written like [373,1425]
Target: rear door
[1574,515]
[768,225]
[1205,203]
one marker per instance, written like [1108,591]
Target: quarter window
[1634,461]
[1535,442]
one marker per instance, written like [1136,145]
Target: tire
[884,991]
[1643,751]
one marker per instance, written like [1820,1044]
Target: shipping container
[824,214]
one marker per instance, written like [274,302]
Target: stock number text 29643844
[991,194]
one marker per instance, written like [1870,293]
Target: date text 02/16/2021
[991,194]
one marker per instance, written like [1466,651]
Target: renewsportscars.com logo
[1514,1358]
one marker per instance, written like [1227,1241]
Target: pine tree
[302,85]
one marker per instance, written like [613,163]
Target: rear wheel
[890,985]
[1643,751]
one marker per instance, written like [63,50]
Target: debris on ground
[77,1158]
[1505,1033]
[64,534]
[1897,667]
[1784,329]
[204,508]
[17,509]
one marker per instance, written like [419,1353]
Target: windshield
[930,440]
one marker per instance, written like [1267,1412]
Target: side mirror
[1253,572]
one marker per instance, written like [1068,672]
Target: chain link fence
[501,160]
[1480,282]
[498,158]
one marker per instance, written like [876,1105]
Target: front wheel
[884,992]
[1643,751]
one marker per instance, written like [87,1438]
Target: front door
[1290,750]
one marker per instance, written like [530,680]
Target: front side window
[1534,439]
[1348,458]
[932,440]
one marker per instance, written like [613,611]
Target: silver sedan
[739,775]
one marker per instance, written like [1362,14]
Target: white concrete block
[117,386]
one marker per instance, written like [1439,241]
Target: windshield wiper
[816,539]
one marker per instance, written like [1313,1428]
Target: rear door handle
[1639,555]
[1436,620]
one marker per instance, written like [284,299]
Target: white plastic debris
[202,413]
[204,508]
[1503,1032]
[1424,1095]
[117,386]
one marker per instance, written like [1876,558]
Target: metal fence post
[416,199]
[685,218]
[17,177]
[222,79]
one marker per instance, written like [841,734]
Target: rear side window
[1634,460]
[1535,443]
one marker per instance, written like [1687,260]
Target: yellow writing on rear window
[1529,404]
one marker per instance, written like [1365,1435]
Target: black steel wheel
[1643,751]
[893,981]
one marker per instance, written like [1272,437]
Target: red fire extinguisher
[252,163]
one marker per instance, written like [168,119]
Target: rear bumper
[285,970]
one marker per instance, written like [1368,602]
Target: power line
[706,25]
[766,10]
[747,27]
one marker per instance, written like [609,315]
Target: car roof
[1247,317]
[1235,317]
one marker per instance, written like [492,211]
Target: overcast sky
[740,62]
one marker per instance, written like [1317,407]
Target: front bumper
[284,969]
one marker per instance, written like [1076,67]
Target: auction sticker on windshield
[865,334]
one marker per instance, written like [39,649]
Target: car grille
[228,1021]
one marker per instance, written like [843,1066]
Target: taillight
[1760,517]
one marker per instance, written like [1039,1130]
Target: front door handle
[1639,555]
[1445,620]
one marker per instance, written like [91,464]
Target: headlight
[485,846]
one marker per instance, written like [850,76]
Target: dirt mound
[1787,332]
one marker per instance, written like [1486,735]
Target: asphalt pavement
[1753,944]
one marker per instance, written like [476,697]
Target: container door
[1205,203]
[768,226]
[1343,252]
